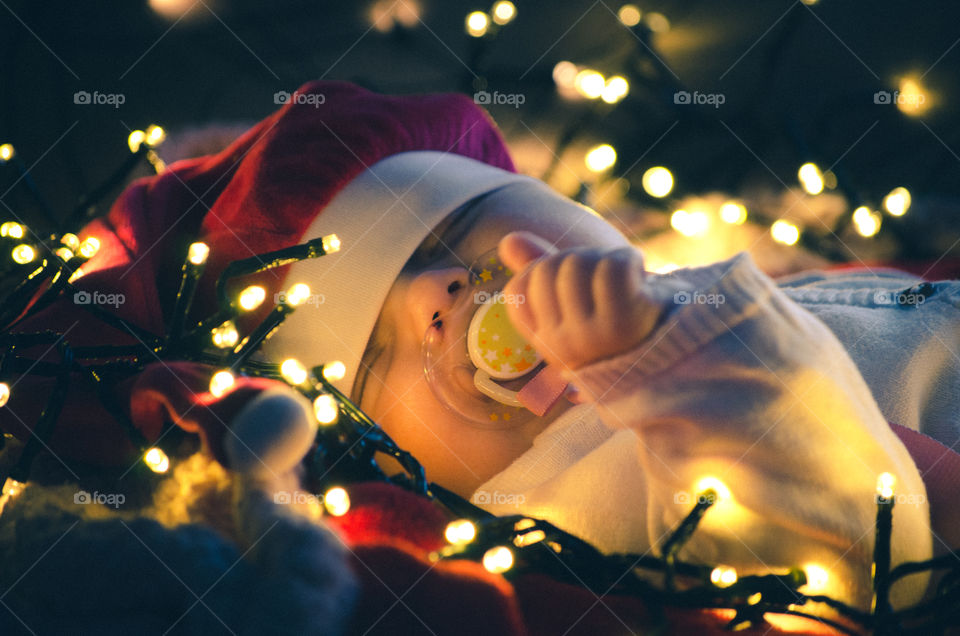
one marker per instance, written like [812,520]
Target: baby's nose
[433,293]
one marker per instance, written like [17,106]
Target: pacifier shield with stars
[475,360]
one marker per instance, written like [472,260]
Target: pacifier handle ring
[484,384]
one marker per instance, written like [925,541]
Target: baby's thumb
[519,249]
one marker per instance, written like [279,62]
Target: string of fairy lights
[39,270]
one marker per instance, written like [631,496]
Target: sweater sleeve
[742,390]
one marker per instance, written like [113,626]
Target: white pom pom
[271,434]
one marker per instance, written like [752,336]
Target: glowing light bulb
[478,23]
[293,371]
[221,382]
[156,460]
[23,254]
[885,484]
[785,232]
[333,371]
[897,202]
[325,409]
[723,576]
[629,15]
[89,247]
[12,229]
[504,11]
[615,89]
[298,294]
[565,74]
[811,178]
[134,139]
[694,223]
[460,532]
[155,135]
[589,83]
[252,297]
[498,560]
[657,22]
[913,98]
[198,253]
[714,484]
[330,243]
[225,336]
[733,213]
[523,540]
[600,158]
[657,182]
[337,501]
[4,394]
[866,222]
[71,241]
[817,577]
[64,253]
[6,153]
[11,488]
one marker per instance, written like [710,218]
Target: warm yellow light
[89,247]
[460,532]
[615,89]
[134,139]
[6,153]
[657,22]
[225,336]
[629,15]
[754,598]
[733,213]
[155,135]
[529,538]
[565,74]
[333,371]
[600,158]
[198,253]
[4,393]
[298,294]
[811,178]
[589,83]
[11,488]
[504,11]
[156,460]
[897,202]
[330,243]
[809,2]
[657,181]
[293,371]
[337,501]
[252,297]
[498,560]
[221,382]
[65,253]
[325,409]
[866,222]
[23,254]
[694,223]
[885,484]
[785,232]
[12,229]
[477,24]
[723,576]
[71,241]
[817,577]
[714,484]
[913,98]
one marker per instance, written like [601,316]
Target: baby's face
[396,394]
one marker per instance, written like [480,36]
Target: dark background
[798,83]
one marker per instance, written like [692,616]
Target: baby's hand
[580,305]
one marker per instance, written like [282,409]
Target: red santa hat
[379,171]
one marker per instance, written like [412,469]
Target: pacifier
[477,363]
